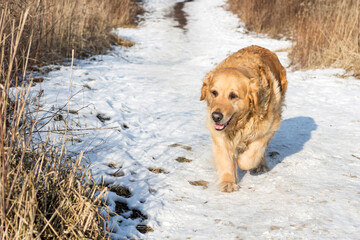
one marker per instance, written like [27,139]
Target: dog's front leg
[225,165]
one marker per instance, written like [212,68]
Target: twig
[78,129]
[355,156]
[59,110]
[68,106]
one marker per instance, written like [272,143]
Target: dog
[244,94]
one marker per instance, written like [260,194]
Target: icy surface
[149,94]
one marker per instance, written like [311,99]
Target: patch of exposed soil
[144,229]
[121,190]
[118,173]
[112,165]
[157,170]
[138,214]
[202,183]
[102,117]
[179,15]
[180,145]
[183,160]
[121,207]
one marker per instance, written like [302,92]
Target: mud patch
[102,117]
[138,214]
[111,165]
[179,15]
[121,190]
[202,183]
[75,112]
[180,145]
[121,207]
[118,173]
[144,229]
[157,170]
[272,228]
[59,117]
[87,86]
[38,80]
[183,160]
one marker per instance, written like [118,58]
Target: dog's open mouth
[220,127]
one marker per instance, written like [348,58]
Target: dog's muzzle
[217,117]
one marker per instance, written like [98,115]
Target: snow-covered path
[150,94]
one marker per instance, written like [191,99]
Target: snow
[151,94]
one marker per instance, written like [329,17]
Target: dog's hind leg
[254,155]
[261,168]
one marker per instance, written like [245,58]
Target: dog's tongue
[219,126]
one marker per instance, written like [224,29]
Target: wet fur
[257,77]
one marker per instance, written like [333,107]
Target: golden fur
[244,95]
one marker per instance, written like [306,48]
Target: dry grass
[325,33]
[274,17]
[58,27]
[44,193]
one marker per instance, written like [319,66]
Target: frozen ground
[150,95]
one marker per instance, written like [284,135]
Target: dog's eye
[214,93]
[232,96]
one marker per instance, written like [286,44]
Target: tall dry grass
[325,32]
[58,27]
[272,17]
[44,193]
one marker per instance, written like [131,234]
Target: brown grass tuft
[325,33]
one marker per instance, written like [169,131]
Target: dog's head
[230,94]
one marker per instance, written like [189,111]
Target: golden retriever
[244,95]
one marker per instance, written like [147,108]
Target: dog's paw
[260,169]
[228,187]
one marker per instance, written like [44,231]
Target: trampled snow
[142,111]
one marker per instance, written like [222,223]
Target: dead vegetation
[44,192]
[57,27]
[325,33]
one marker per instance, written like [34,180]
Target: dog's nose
[217,116]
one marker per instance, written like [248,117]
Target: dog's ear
[259,96]
[254,89]
[205,86]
